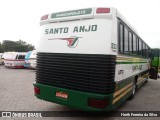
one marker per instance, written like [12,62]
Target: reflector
[36,90]
[102,10]
[44,17]
[98,103]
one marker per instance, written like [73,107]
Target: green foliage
[17,46]
[1,48]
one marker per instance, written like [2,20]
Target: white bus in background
[5,54]
[1,54]
[32,59]
[14,59]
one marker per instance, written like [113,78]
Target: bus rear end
[75,59]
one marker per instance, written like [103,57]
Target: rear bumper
[76,99]
[18,67]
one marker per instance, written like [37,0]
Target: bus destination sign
[72,13]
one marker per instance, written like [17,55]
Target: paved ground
[16,94]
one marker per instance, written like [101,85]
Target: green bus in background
[155,63]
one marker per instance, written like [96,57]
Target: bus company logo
[72,42]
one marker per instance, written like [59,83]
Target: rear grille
[82,72]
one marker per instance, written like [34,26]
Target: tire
[146,81]
[133,90]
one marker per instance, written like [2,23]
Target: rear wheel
[133,91]
[146,81]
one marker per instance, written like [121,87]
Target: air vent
[81,72]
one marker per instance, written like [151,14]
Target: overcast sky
[19,19]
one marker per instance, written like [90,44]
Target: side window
[130,42]
[144,49]
[149,53]
[147,50]
[134,44]
[126,51]
[137,46]
[121,50]
[16,57]
[140,47]
[21,57]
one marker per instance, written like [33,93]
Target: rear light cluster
[102,10]
[44,17]
[98,103]
[36,90]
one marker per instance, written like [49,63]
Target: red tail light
[97,103]
[44,17]
[102,10]
[36,90]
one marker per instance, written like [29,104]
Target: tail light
[98,103]
[44,17]
[36,90]
[102,10]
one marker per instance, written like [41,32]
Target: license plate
[61,94]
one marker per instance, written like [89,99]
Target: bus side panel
[123,90]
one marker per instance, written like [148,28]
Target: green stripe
[129,62]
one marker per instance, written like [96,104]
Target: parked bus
[1,54]
[5,54]
[14,59]
[32,59]
[27,65]
[155,63]
[90,59]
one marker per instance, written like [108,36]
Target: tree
[1,48]
[17,46]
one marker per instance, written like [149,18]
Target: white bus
[32,59]
[90,59]
[1,54]
[14,59]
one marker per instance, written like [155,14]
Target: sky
[19,19]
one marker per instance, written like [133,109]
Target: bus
[1,54]
[32,59]
[14,59]
[26,65]
[155,63]
[90,59]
